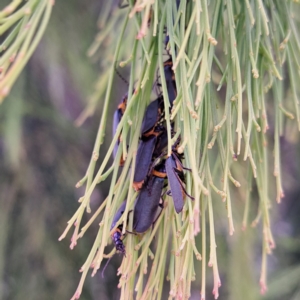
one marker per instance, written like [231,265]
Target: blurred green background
[43,154]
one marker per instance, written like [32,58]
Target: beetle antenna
[102,273]
[121,76]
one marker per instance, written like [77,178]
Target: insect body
[153,115]
[174,173]
[116,120]
[150,131]
[170,80]
[147,202]
[161,143]
[117,235]
[143,161]
[174,170]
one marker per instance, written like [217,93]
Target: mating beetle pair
[145,209]
[153,131]
[152,138]
[153,169]
[148,201]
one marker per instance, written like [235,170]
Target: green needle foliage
[22,24]
[236,66]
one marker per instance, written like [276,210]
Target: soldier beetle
[174,170]
[147,202]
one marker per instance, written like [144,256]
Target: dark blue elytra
[151,116]
[147,204]
[151,130]
[170,80]
[118,114]
[143,161]
[174,172]
[116,120]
